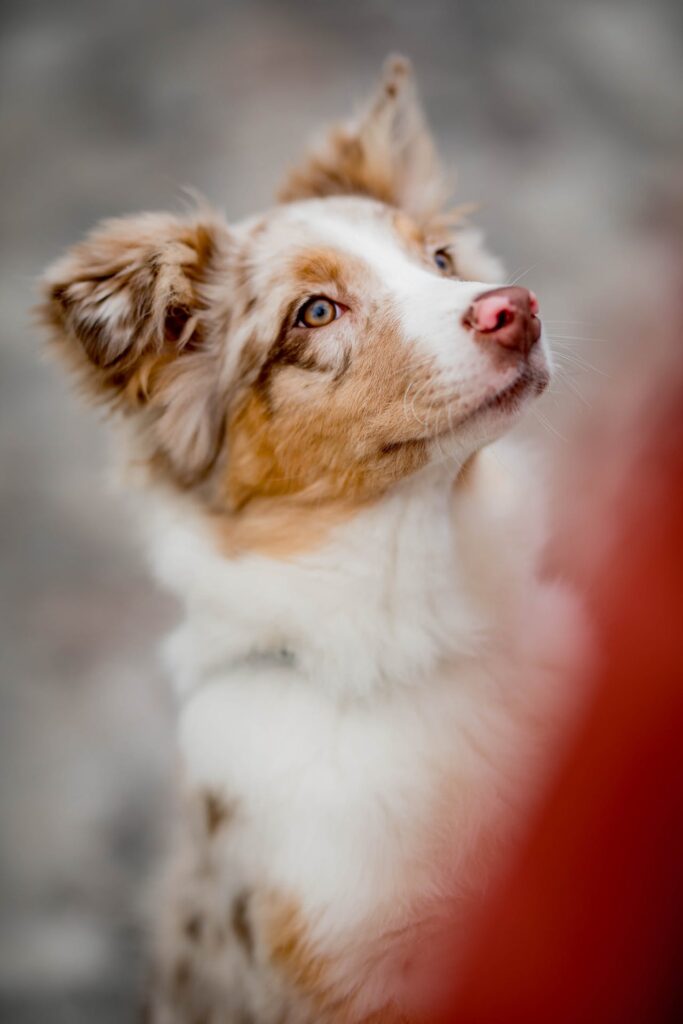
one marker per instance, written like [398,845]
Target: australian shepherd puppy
[369,658]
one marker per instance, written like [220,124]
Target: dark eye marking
[296,348]
[290,350]
[443,259]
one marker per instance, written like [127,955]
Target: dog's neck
[393,592]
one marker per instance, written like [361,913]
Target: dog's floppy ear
[129,309]
[386,153]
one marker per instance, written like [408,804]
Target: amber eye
[444,261]
[318,312]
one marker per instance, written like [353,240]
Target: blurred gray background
[562,119]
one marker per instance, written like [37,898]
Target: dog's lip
[527,380]
[506,399]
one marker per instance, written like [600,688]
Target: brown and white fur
[369,658]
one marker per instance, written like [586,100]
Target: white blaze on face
[396,381]
[430,308]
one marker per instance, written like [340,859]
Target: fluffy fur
[367,666]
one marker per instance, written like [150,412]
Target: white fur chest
[367,762]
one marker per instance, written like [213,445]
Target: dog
[371,663]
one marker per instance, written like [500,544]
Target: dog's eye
[318,312]
[444,261]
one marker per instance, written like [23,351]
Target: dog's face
[320,352]
[356,320]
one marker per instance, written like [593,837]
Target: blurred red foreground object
[588,926]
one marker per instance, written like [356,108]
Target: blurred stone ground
[562,118]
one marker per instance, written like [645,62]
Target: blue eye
[318,312]
[444,261]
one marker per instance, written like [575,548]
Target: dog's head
[318,353]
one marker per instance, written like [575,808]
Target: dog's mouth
[530,382]
[509,400]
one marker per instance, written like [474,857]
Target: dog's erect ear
[129,309]
[386,153]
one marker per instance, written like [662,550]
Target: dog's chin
[510,401]
[493,415]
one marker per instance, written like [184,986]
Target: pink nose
[506,316]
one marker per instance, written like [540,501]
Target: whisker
[405,398]
[568,356]
[576,360]
[520,276]
[548,425]
[566,378]
[412,402]
[577,337]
